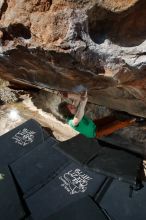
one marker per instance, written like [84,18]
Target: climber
[73,113]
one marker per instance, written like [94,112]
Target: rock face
[72,45]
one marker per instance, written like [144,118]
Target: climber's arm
[80,109]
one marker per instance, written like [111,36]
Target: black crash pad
[102,158]
[37,167]
[20,140]
[80,148]
[120,205]
[69,185]
[83,209]
[28,218]
[126,144]
[10,204]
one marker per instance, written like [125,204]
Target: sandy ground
[12,115]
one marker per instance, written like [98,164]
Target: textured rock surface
[7,95]
[70,45]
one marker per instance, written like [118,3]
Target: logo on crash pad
[75,181]
[24,137]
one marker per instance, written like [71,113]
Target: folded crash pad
[70,184]
[118,203]
[37,167]
[84,208]
[10,204]
[20,140]
[102,158]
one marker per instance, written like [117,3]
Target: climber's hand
[84,95]
[63,94]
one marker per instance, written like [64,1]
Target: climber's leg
[114,126]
